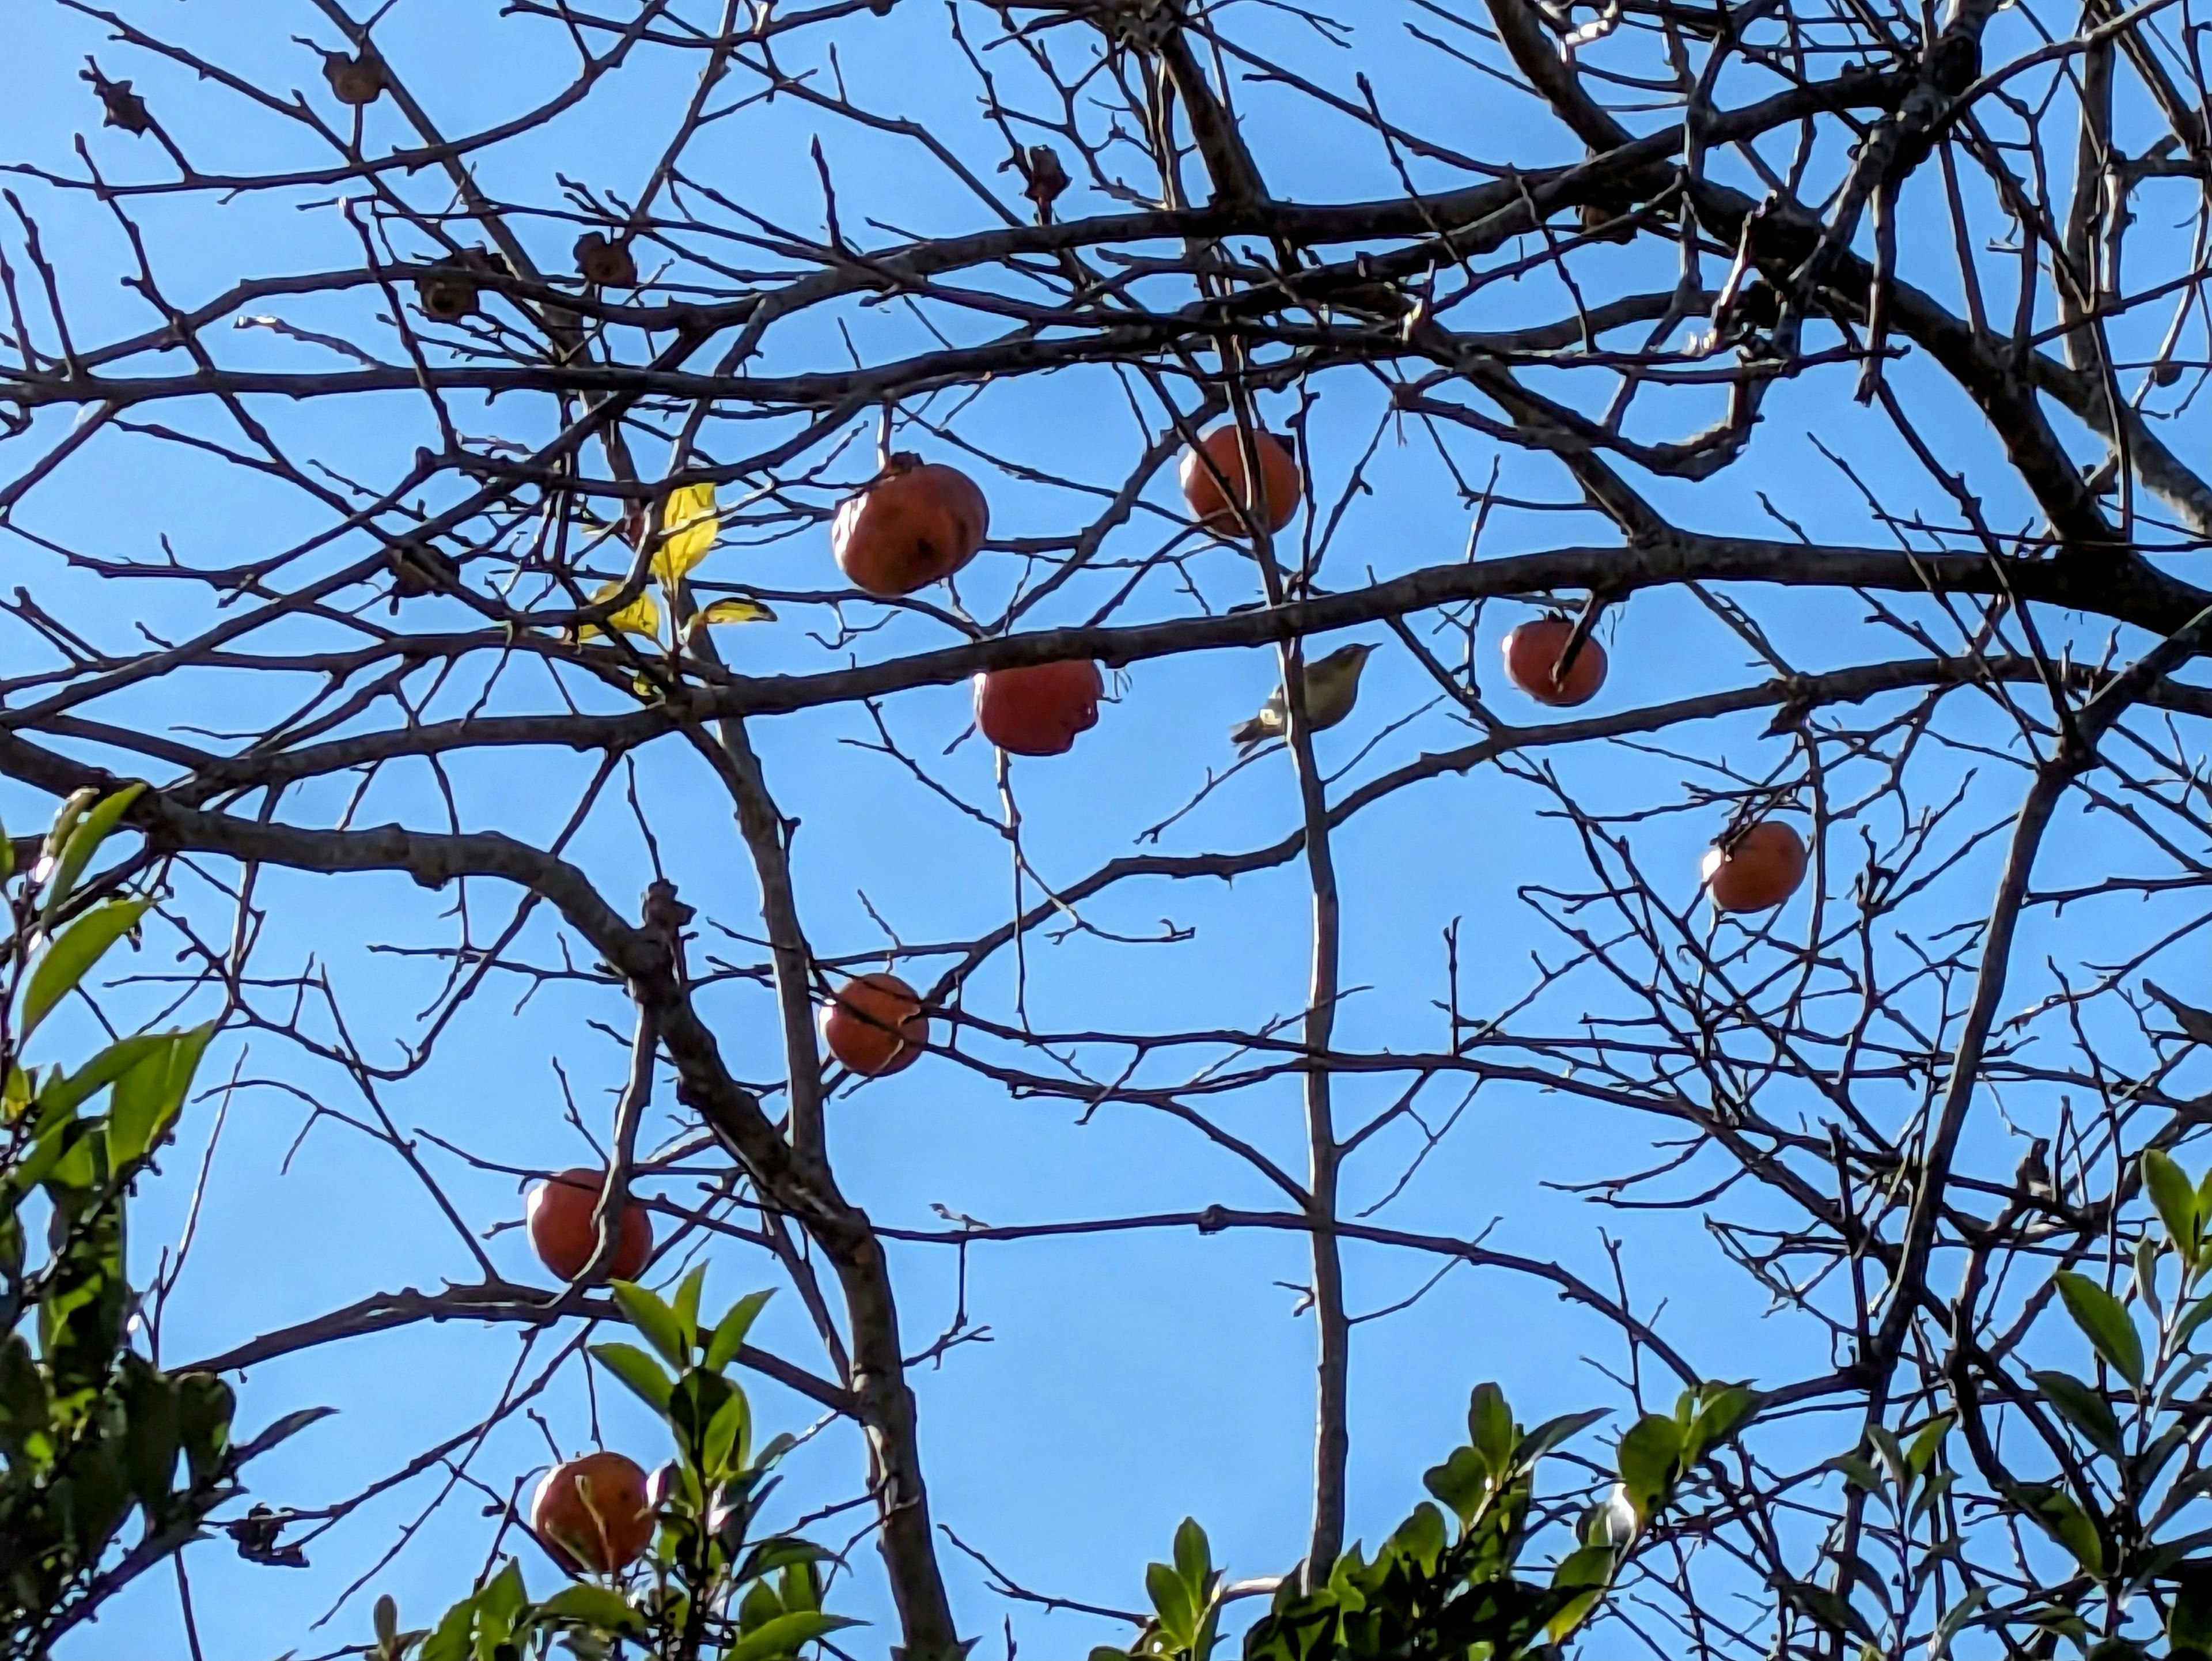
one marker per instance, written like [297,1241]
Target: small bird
[1332,686]
[2032,1179]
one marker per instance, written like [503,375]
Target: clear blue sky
[1130,1379]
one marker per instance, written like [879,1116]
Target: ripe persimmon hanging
[916,523]
[558,1219]
[591,1514]
[875,1025]
[1533,651]
[1756,869]
[1280,481]
[1037,710]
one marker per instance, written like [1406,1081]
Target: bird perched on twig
[1332,685]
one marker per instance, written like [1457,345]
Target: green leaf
[204,1406]
[283,1430]
[1831,1610]
[2081,1407]
[148,1097]
[1726,1409]
[1194,1558]
[2189,1617]
[1420,1538]
[1860,1472]
[1648,1455]
[83,841]
[730,1334]
[71,954]
[1461,1483]
[1919,1457]
[655,1320]
[784,1634]
[2174,1197]
[72,1090]
[1954,1619]
[2185,1328]
[1553,1432]
[450,1640]
[498,1605]
[1173,1603]
[595,1607]
[1588,1571]
[1490,1429]
[2105,1321]
[722,1448]
[2055,1512]
[639,1371]
[1892,1454]
[687,1311]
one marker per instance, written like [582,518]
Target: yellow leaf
[688,526]
[639,617]
[731,610]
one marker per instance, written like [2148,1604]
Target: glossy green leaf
[1552,1432]
[82,841]
[1892,1454]
[722,1448]
[148,1097]
[686,1310]
[2185,1328]
[70,955]
[1490,1429]
[655,1320]
[1420,1537]
[1927,1444]
[502,1599]
[1859,1472]
[1173,1604]
[282,1430]
[2189,1614]
[1648,1455]
[730,1334]
[1461,1483]
[639,1371]
[204,1406]
[2055,1512]
[1830,1608]
[2105,1322]
[1193,1557]
[1954,1621]
[68,1090]
[594,1607]
[1720,1416]
[2174,1198]
[785,1635]
[2081,1407]
[450,1639]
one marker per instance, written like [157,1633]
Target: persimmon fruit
[917,523]
[1039,709]
[558,1215]
[1531,659]
[1279,478]
[591,1514]
[875,1025]
[1757,869]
